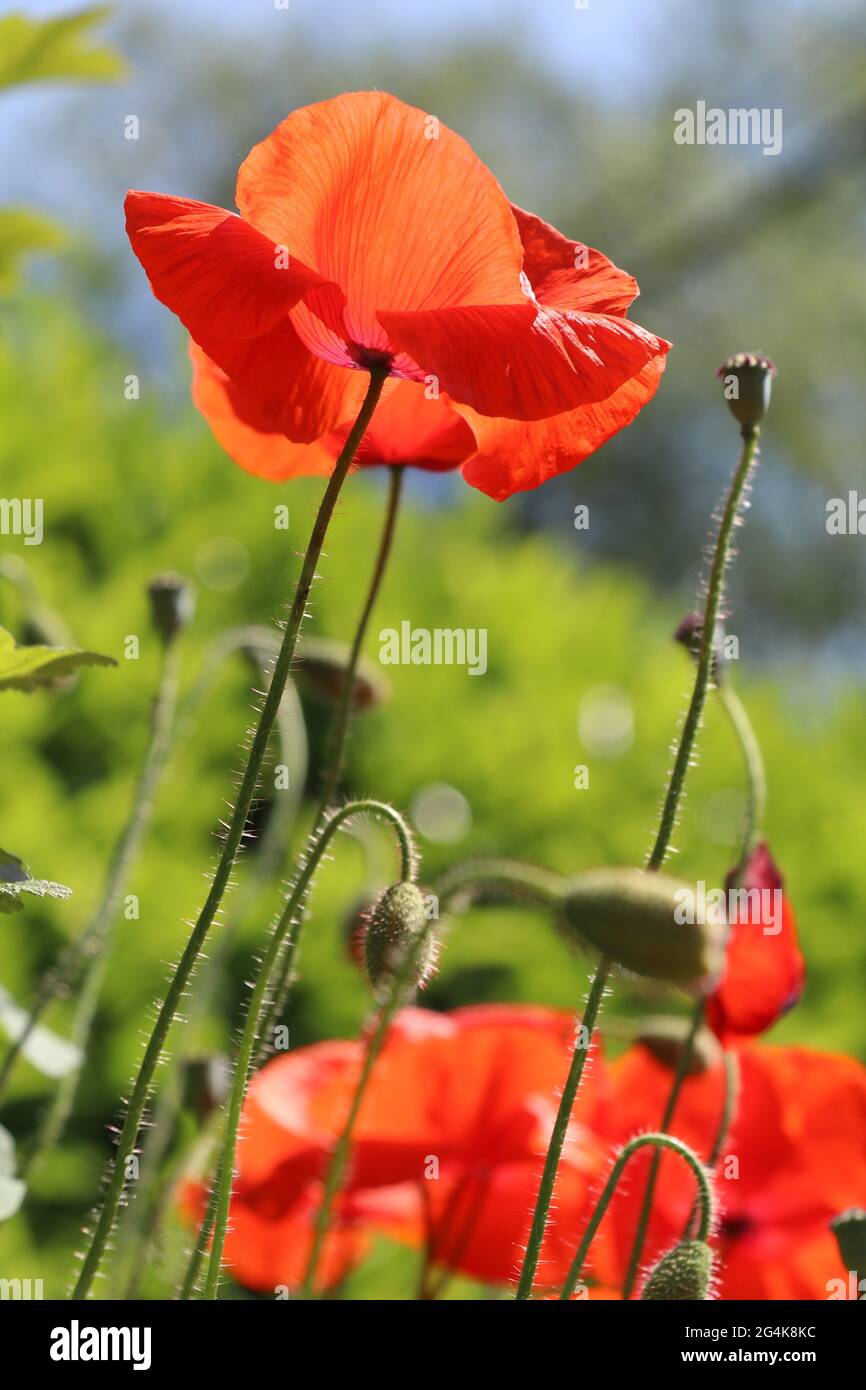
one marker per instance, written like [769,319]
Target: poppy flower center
[370,358]
[733,1227]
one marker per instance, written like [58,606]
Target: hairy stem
[659,1142]
[560,1128]
[249,1036]
[703,678]
[128,1137]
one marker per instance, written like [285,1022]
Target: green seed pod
[398,920]
[748,382]
[648,923]
[665,1037]
[849,1228]
[683,1273]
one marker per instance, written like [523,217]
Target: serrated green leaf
[28,668]
[12,1189]
[33,50]
[50,1054]
[23,232]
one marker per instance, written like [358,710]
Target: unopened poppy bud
[323,662]
[172,604]
[398,921]
[748,382]
[206,1084]
[849,1228]
[648,923]
[665,1037]
[683,1273]
[354,928]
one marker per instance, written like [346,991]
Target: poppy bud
[748,381]
[354,928]
[648,923]
[683,1273]
[323,663]
[398,919]
[849,1228]
[172,603]
[206,1084]
[665,1037]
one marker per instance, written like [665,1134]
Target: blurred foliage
[35,50]
[135,487]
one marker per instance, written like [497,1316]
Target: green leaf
[33,50]
[23,233]
[15,879]
[50,1054]
[27,668]
[12,1189]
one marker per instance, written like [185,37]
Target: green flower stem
[685,752]
[340,1156]
[729,1105]
[288,920]
[560,1128]
[756,800]
[128,1137]
[90,946]
[659,1142]
[342,720]
[499,880]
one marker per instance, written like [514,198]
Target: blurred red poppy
[794,1158]
[447,1150]
[765,972]
[372,236]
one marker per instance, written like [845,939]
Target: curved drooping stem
[499,880]
[288,919]
[128,1137]
[659,1142]
[661,846]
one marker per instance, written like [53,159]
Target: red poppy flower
[794,1158]
[371,236]
[447,1151]
[764,969]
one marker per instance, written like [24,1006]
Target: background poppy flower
[795,1157]
[369,237]
[447,1150]
[765,972]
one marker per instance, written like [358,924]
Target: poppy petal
[216,272]
[516,455]
[567,274]
[386,203]
[765,973]
[523,361]
[410,429]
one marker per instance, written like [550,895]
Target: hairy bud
[683,1273]
[397,923]
[647,923]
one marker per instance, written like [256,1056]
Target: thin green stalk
[658,1142]
[342,721]
[560,1128]
[128,1137]
[499,879]
[756,799]
[90,945]
[249,1037]
[729,1105]
[703,678]
[343,717]
[340,1156]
